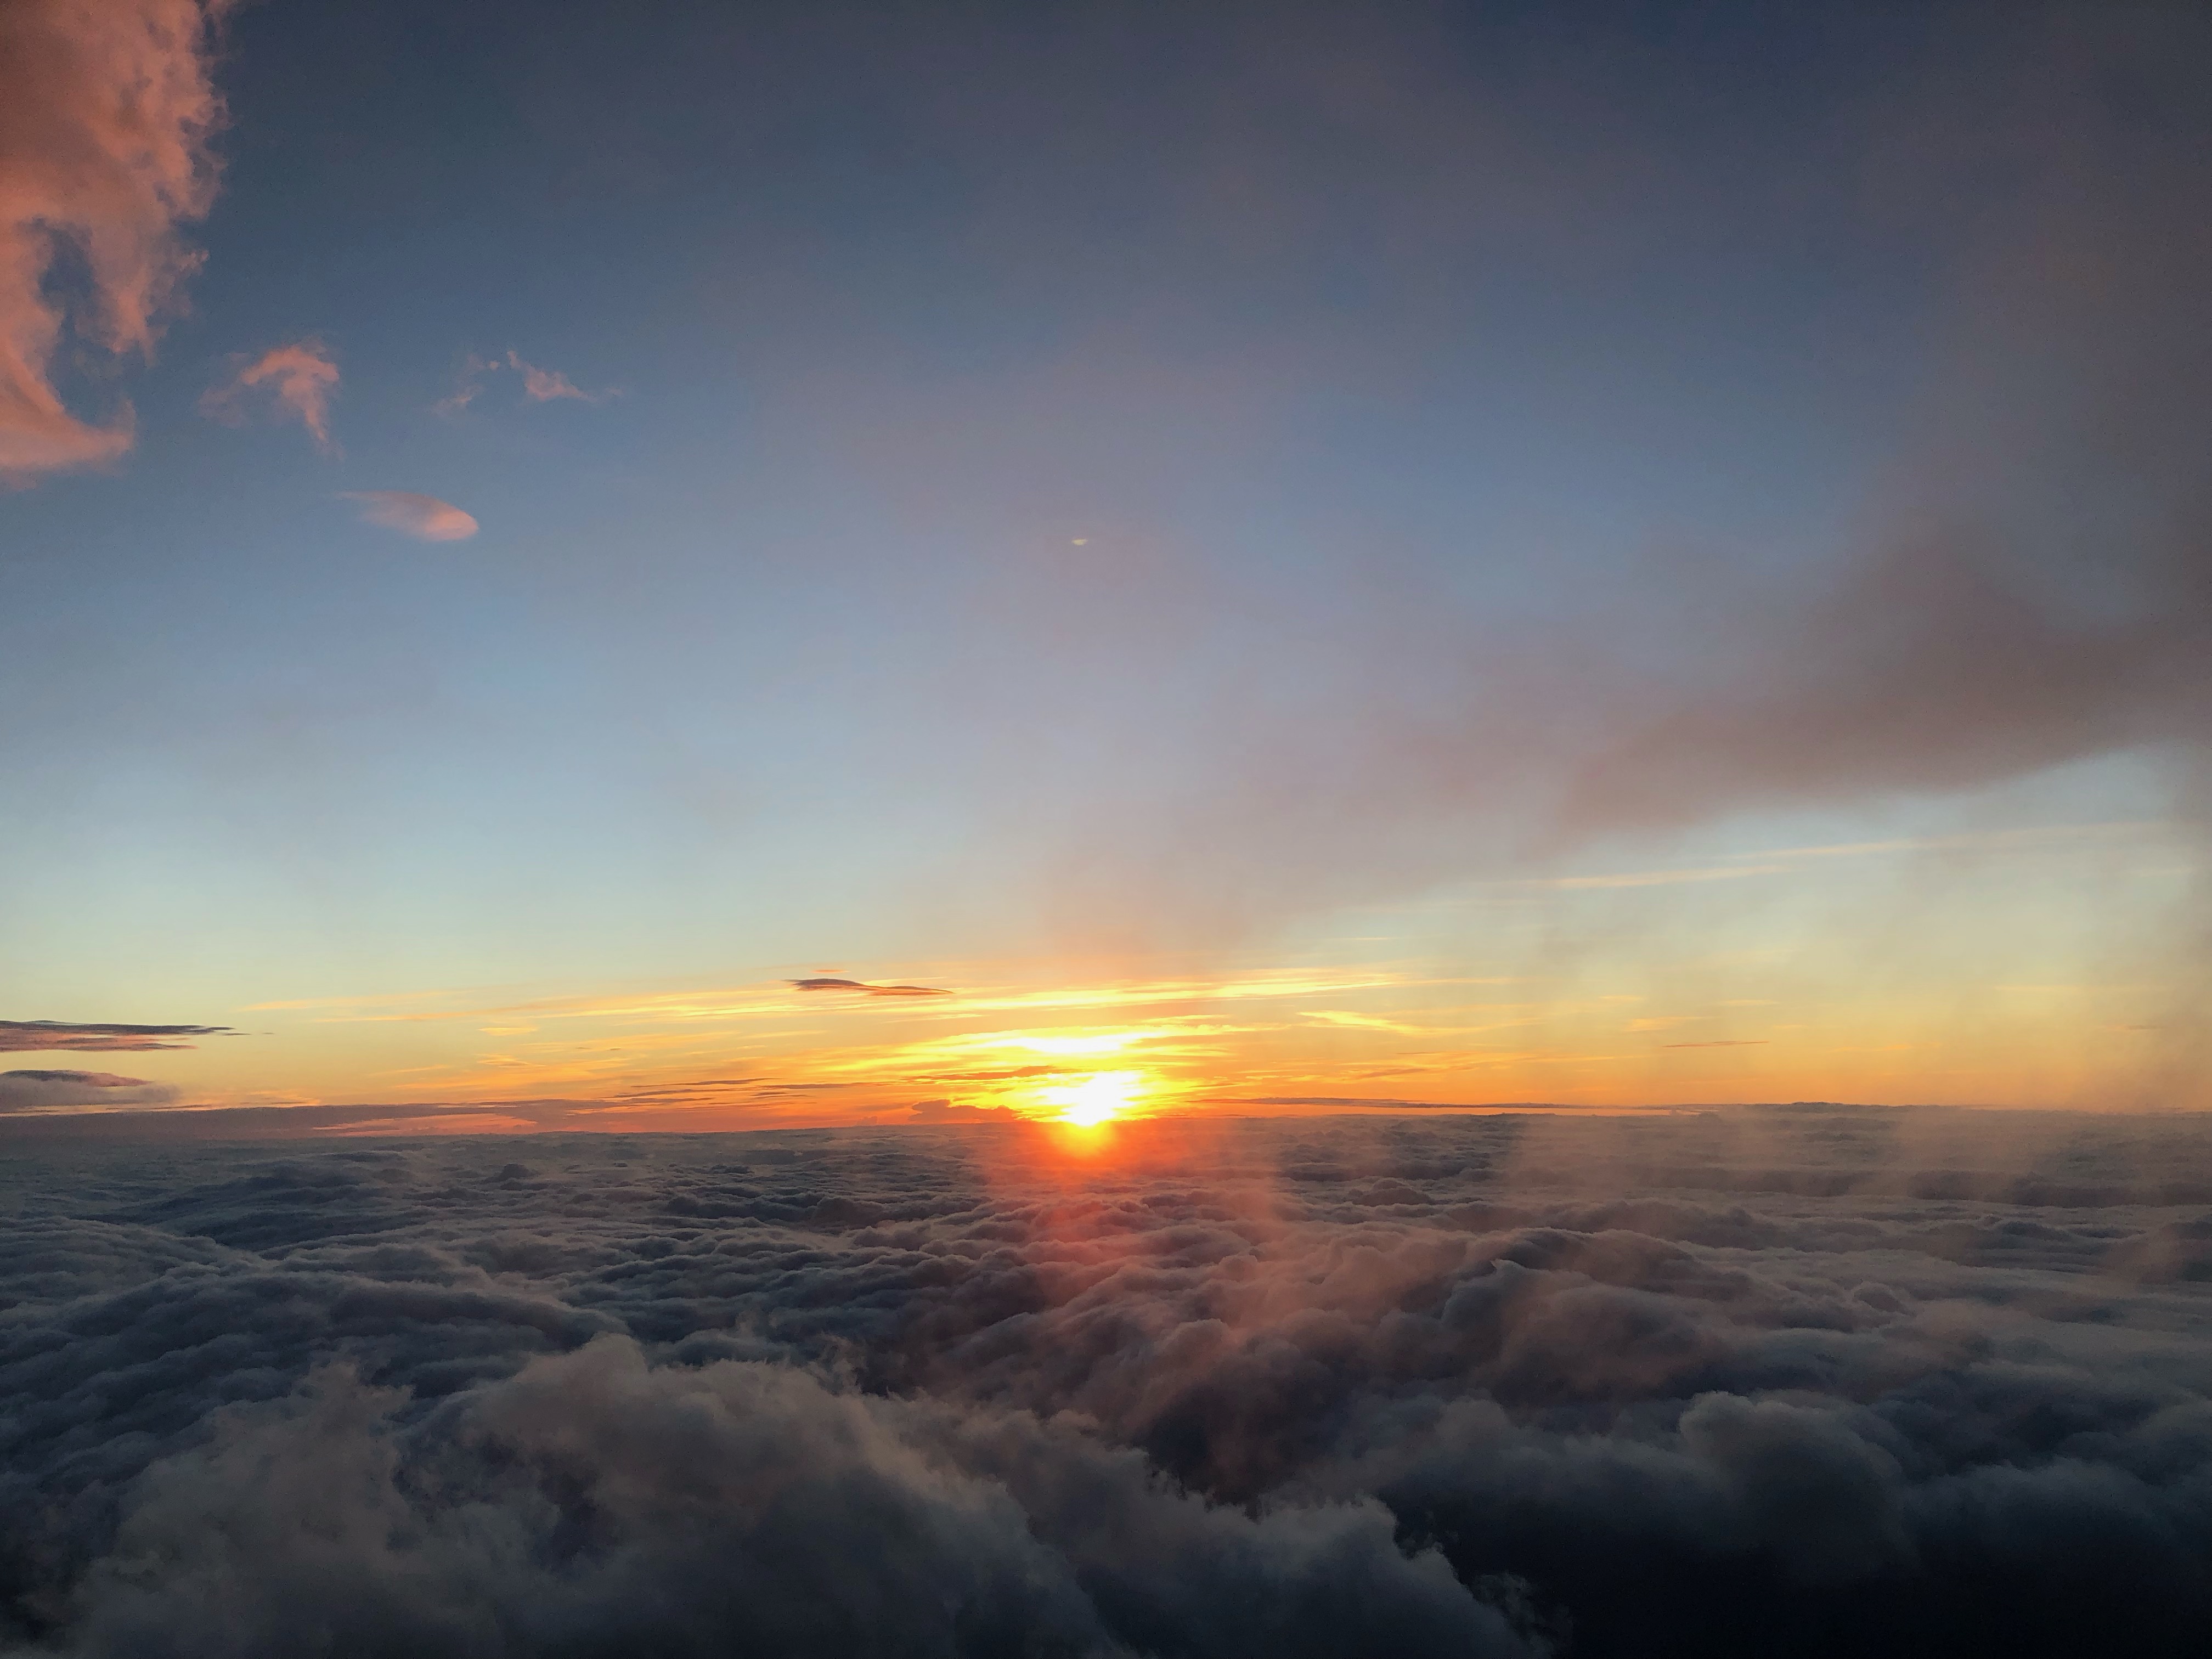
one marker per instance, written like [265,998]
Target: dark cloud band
[831,983]
[33,1035]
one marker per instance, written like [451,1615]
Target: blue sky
[1055,493]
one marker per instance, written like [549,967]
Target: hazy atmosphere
[1104,828]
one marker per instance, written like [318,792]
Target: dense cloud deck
[1806,1380]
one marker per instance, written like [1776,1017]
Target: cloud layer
[1815,1380]
[106,115]
[423,517]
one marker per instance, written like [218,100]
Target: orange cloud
[301,377]
[543,385]
[423,517]
[106,114]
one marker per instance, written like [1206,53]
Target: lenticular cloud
[423,517]
[1814,1381]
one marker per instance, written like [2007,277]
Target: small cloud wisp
[539,385]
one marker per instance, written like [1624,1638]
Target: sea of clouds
[1806,1380]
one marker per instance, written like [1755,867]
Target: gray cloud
[32,1035]
[42,1091]
[832,983]
[1838,1380]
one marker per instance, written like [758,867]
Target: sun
[1098,1098]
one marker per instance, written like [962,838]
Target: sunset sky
[1180,558]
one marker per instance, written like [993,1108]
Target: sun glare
[1098,1098]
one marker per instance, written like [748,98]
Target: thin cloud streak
[52,1035]
[831,983]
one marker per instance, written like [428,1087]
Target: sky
[680,566]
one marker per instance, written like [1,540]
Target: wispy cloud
[106,114]
[545,386]
[2027,838]
[466,390]
[1780,860]
[54,1035]
[423,517]
[539,385]
[299,379]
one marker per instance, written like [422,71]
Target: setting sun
[1098,1098]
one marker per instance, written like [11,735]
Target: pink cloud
[106,114]
[423,517]
[539,385]
[301,378]
[543,385]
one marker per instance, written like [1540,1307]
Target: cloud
[1819,1379]
[2006,572]
[43,1090]
[466,390]
[832,983]
[1966,641]
[539,385]
[31,1036]
[545,386]
[301,378]
[423,517]
[945,1111]
[105,117]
